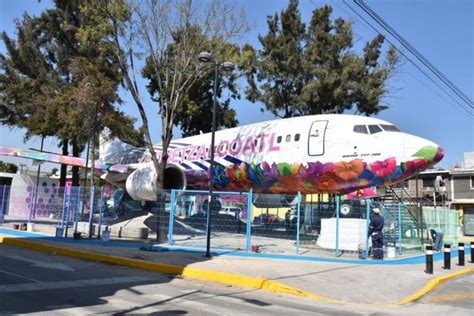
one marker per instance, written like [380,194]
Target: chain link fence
[313,225]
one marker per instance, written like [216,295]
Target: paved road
[38,283]
[457,293]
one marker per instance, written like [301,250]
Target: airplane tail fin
[112,149]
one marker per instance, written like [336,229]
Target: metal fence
[316,225]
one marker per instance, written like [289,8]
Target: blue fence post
[248,232]
[101,211]
[68,209]
[337,226]
[63,210]
[298,224]
[171,223]
[367,219]
[91,210]
[399,228]
[32,206]
[2,204]
[76,209]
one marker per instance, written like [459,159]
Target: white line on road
[9,288]
[20,276]
[42,264]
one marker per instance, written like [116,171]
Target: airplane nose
[439,154]
[423,148]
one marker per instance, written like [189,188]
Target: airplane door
[317,133]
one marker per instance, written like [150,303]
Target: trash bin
[106,235]
[391,250]
[59,231]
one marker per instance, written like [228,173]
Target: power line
[410,60]
[415,52]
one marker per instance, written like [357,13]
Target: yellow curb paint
[433,284]
[207,275]
[451,297]
[221,277]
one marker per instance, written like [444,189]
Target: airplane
[316,154]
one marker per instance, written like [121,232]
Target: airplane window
[279,139]
[297,137]
[360,129]
[255,142]
[374,129]
[288,138]
[390,128]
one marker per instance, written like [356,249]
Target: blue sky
[441,30]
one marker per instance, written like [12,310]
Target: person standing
[375,232]
[437,236]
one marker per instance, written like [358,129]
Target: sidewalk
[396,281]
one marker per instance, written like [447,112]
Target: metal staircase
[403,223]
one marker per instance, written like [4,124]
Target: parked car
[231,210]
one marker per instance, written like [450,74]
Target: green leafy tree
[312,69]
[8,167]
[53,84]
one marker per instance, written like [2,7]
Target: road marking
[42,264]
[10,288]
[450,297]
[20,276]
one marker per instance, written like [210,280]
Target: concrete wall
[462,187]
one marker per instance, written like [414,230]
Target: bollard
[472,251]
[461,254]
[429,259]
[447,256]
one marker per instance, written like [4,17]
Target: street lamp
[206,57]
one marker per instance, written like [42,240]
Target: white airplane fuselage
[310,154]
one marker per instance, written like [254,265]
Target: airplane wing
[60,159]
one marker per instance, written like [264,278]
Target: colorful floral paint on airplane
[342,154]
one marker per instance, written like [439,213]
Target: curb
[432,284]
[206,275]
[220,277]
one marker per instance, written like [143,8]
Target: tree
[8,167]
[312,70]
[168,32]
[195,113]
[52,84]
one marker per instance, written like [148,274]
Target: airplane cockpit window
[390,128]
[360,129]
[374,129]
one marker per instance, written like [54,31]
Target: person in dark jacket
[375,232]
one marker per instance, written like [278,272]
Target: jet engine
[142,184]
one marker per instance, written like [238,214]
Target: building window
[472,182]
[428,183]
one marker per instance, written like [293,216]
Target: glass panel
[374,129]
[360,129]
[390,128]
